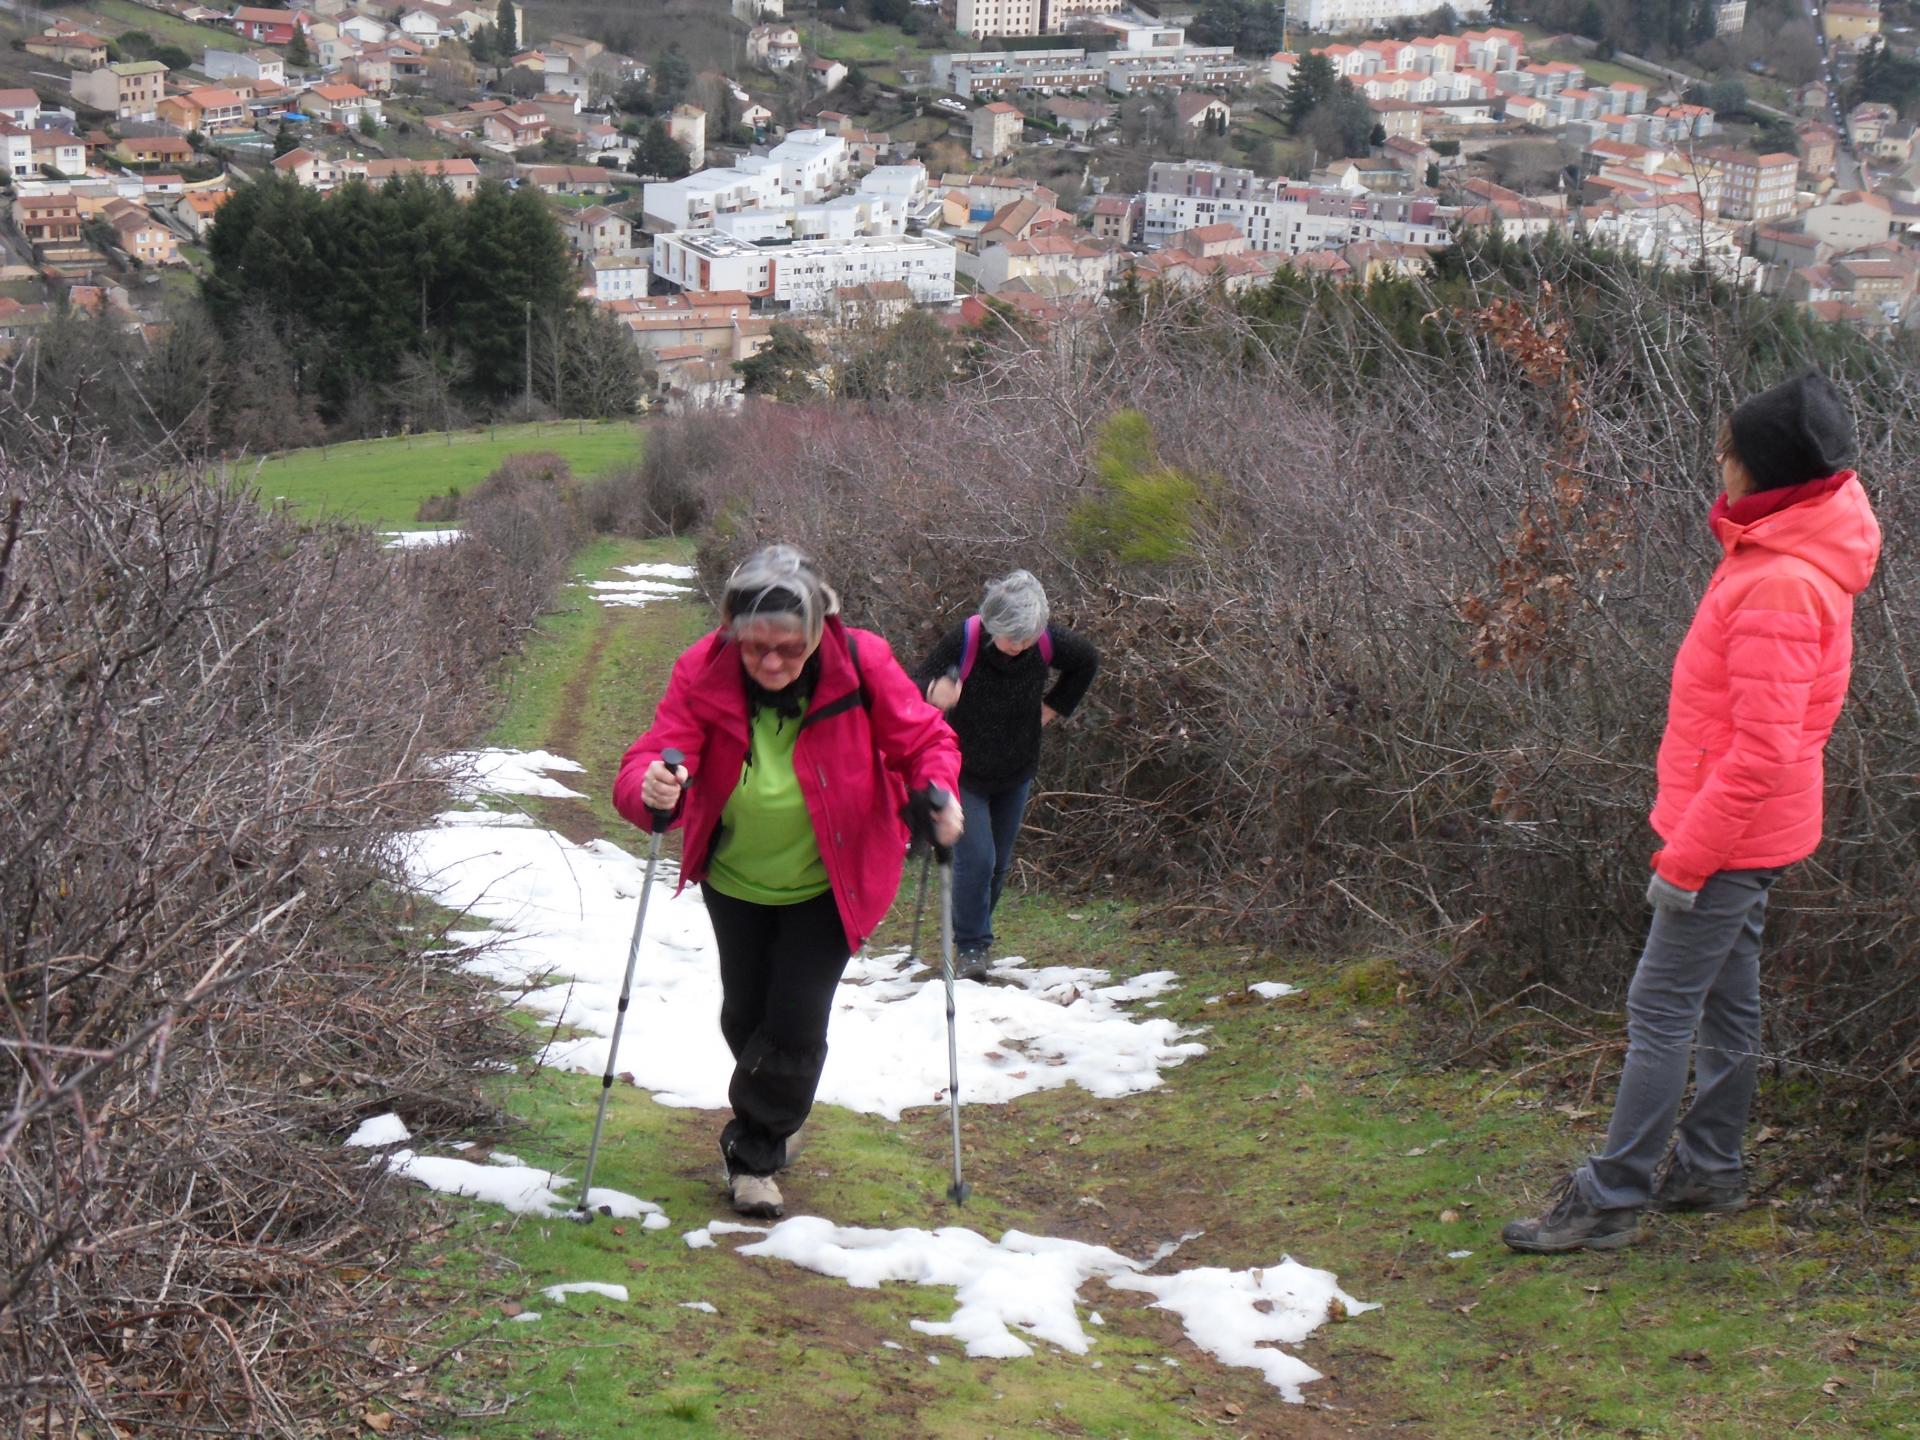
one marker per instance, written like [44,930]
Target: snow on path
[1031,1284]
[523,1189]
[414,539]
[565,911]
[388,1129]
[646,583]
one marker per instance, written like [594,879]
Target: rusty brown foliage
[1405,683]
[215,722]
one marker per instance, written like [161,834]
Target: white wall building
[1337,15]
[810,163]
[618,277]
[691,203]
[1279,215]
[841,218]
[804,275]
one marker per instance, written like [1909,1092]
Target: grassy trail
[1315,1126]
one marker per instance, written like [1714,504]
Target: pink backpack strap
[1045,644]
[970,646]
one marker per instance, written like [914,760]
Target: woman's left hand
[948,822]
[1047,714]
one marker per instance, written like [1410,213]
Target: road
[1846,167]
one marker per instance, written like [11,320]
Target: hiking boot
[757,1196]
[1572,1222]
[971,963]
[1678,1186]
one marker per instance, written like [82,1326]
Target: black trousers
[779,965]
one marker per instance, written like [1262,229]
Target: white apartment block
[617,277]
[842,218]
[810,163]
[1338,15]
[693,202]
[1279,215]
[804,275]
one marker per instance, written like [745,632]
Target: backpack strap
[970,646]
[858,696]
[1044,643]
[859,675]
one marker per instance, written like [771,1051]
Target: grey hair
[778,583]
[1015,607]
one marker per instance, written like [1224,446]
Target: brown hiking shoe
[1571,1222]
[1680,1187]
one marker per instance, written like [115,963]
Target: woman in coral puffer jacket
[1757,686]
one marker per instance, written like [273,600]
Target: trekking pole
[583,1212]
[959,1189]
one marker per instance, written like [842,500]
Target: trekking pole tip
[959,1191]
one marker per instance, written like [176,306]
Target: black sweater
[998,717]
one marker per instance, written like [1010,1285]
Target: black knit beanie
[1797,431]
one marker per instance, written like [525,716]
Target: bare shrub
[1405,673]
[217,723]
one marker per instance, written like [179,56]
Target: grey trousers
[1695,994]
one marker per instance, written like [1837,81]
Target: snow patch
[700,1305]
[1273,989]
[525,1317]
[644,585]
[508,772]
[563,911]
[417,539]
[1030,1284]
[559,1293]
[523,1189]
[388,1129]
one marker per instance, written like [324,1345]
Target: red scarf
[1762,503]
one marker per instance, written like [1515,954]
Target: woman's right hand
[660,788]
[944,693]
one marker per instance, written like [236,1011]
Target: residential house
[1812,98]
[1867,120]
[1082,118]
[366,29]
[57,148]
[209,109]
[16,151]
[317,171]
[1786,251]
[47,220]
[461,176]
[162,188]
[1877,279]
[580,51]
[1404,119]
[688,125]
[20,322]
[596,230]
[569,179]
[827,74]
[1819,148]
[269,27]
[1056,265]
[752,11]
[126,89]
[76,49]
[1680,123]
[140,235]
[996,130]
[756,117]
[1850,24]
[172,150]
[341,103]
[422,27]
[774,47]
[196,210]
[1202,113]
[371,70]
[1494,209]
[1116,219]
[252,67]
[1850,220]
[616,277]
[516,127]
[1756,187]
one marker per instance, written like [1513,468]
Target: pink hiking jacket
[854,761]
[1758,684]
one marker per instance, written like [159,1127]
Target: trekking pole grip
[673,760]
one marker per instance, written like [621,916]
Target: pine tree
[507,30]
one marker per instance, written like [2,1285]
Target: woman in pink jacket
[1757,686]
[802,739]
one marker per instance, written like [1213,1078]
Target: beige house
[688,125]
[128,89]
[996,129]
[209,109]
[1850,220]
[460,176]
[596,230]
[76,49]
[140,235]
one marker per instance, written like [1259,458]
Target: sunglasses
[791,650]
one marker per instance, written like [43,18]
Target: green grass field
[382,482]
[194,39]
[1317,1125]
[863,47]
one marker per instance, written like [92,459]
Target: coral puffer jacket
[854,761]
[1760,679]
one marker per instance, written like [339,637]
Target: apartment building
[130,89]
[1756,187]
[1279,215]
[804,275]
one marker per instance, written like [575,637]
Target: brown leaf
[510,1309]
[1336,1309]
[1233,1409]
[1449,1217]
[380,1420]
[1832,1385]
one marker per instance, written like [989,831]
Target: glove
[918,812]
[1663,894]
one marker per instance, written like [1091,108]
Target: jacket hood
[1837,533]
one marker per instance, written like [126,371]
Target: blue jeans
[1695,994]
[982,859]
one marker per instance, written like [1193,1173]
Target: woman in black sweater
[994,676]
